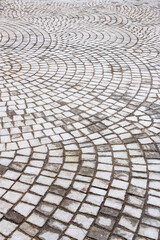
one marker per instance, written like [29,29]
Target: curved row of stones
[79,120]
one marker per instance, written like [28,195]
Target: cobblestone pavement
[79,120]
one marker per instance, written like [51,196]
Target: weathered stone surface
[79,119]
[14,217]
[98,233]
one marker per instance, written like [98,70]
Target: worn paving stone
[79,120]
[14,217]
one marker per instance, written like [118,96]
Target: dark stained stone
[136,191]
[86,171]
[2,169]
[98,233]
[14,217]
[58,190]
[109,211]
[17,166]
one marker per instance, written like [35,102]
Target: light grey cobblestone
[79,120]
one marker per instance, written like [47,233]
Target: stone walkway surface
[79,120]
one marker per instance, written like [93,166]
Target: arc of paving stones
[79,121]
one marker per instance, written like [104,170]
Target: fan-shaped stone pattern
[79,120]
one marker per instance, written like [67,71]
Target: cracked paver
[79,120]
